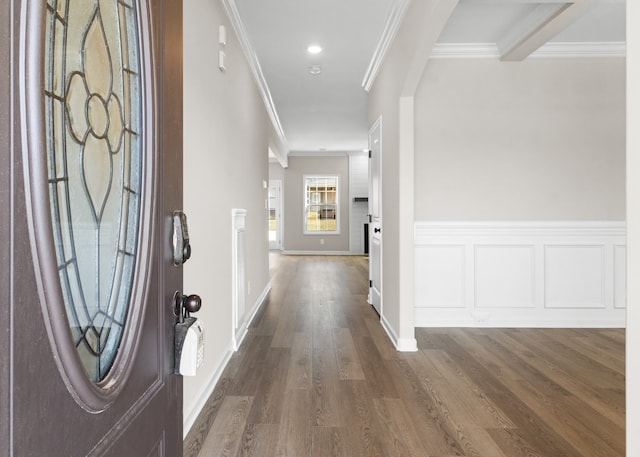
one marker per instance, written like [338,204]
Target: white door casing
[375,212]
[275,214]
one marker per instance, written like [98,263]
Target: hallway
[317,376]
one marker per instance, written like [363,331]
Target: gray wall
[276,171]
[226,137]
[542,139]
[294,238]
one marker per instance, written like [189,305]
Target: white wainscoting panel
[520,274]
[574,276]
[447,264]
[504,276]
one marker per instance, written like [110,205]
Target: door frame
[277,245]
[375,220]
[7,138]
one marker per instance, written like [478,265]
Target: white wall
[542,139]
[226,138]
[633,230]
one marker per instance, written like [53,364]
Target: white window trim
[304,204]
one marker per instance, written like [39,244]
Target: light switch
[222,35]
[222,61]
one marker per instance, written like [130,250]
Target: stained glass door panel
[93,136]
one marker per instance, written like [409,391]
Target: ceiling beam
[431,17]
[537,28]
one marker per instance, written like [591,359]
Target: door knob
[376,230]
[184,305]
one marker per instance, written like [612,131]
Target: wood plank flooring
[318,377]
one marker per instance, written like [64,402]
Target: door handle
[184,305]
[376,230]
[188,336]
[180,239]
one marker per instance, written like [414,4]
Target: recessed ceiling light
[315,69]
[314,49]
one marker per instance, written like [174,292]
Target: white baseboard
[439,317]
[190,417]
[520,274]
[401,344]
[241,332]
[407,345]
[319,253]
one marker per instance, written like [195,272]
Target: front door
[375,212]
[91,153]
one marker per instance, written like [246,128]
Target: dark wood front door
[90,173]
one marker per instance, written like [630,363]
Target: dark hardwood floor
[317,376]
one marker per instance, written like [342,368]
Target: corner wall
[388,102]
[226,138]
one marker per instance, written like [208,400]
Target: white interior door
[375,212]
[275,214]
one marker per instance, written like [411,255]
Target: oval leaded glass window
[94,166]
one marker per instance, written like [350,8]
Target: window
[321,210]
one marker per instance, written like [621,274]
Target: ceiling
[327,112]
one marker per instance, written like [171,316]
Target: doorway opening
[275,214]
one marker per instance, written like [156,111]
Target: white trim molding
[549,50]
[401,344]
[286,252]
[193,414]
[244,327]
[595,49]
[238,281]
[520,274]
[388,34]
[465,51]
[252,59]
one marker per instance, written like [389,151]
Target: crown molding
[585,49]
[536,28]
[549,50]
[252,59]
[319,153]
[465,51]
[398,11]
